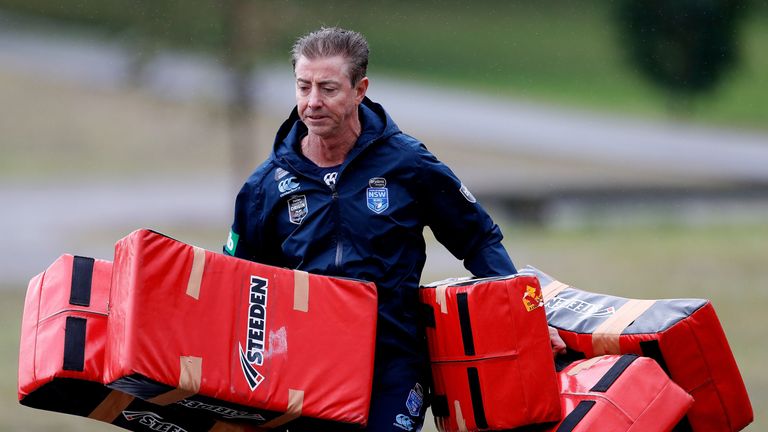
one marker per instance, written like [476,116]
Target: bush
[684,46]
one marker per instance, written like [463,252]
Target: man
[346,193]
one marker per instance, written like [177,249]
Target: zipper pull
[330,180]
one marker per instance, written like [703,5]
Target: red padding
[683,335]
[61,356]
[491,358]
[197,326]
[46,310]
[619,393]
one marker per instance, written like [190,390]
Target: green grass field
[723,263]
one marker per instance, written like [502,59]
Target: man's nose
[315,100]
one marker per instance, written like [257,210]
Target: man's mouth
[315,116]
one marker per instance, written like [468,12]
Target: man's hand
[558,346]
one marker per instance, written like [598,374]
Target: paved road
[39,222]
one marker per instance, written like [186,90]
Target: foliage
[190,23]
[685,46]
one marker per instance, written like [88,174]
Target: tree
[683,46]
[242,33]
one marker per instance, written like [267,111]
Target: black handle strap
[82,278]
[477,398]
[614,373]
[465,323]
[74,344]
[571,420]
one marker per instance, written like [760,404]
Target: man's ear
[360,88]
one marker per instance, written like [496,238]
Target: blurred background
[621,145]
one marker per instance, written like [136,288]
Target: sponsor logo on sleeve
[377,195]
[253,354]
[232,242]
[467,194]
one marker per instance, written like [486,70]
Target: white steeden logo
[580,307]
[225,412]
[253,354]
[152,421]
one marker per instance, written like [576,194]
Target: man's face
[325,98]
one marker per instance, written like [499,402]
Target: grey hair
[334,41]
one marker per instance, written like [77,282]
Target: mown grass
[723,263]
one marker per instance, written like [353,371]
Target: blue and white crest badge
[377,195]
[415,400]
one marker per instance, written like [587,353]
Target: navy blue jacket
[369,224]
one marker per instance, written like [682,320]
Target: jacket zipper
[335,204]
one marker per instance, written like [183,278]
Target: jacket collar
[375,125]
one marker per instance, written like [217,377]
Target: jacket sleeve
[458,221]
[245,233]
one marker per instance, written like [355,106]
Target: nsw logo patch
[377,195]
